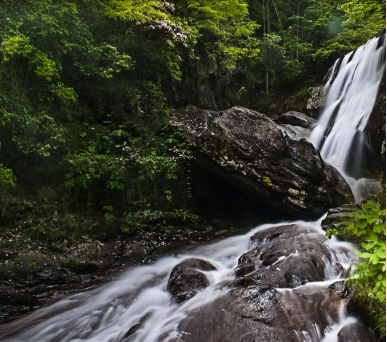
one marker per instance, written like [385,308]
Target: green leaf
[366,255]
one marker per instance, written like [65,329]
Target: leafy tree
[272,55]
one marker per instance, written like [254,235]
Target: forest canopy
[87,87]
[92,165]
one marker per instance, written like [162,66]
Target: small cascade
[107,314]
[351,91]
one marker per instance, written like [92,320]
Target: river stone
[298,130]
[316,100]
[356,332]
[244,314]
[252,312]
[264,160]
[286,257]
[338,218]
[296,119]
[186,280]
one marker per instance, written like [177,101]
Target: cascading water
[350,91]
[106,314]
[140,298]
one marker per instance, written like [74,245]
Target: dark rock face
[186,280]
[376,126]
[296,119]
[267,162]
[286,257]
[316,100]
[356,332]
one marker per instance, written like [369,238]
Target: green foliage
[108,215]
[299,101]
[185,22]
[7,179]
[355,22]
[112,166]
[226,21]
[368,229]
[86,88]
[370,15]
[171,221]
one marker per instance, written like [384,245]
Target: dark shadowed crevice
[225,206]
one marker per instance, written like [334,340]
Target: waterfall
[106,314]
[351,92]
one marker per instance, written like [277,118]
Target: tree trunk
[298,24]
[268,15]
[264,16]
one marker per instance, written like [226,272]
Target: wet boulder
[297,122]
[264,160]
[186,279]
[316,100]
[296,119]
[287,256]
[136,327]
[244,314]
[252,312]
[298,130]
[356,332]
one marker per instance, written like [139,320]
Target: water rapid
[106,314]
[350,93]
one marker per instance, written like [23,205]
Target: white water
[339,134]
[106,314]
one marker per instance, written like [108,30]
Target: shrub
[368,230]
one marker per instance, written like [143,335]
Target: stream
[106,314]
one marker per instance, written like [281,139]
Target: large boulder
[356,332]
[244,314]
[287,256]
[316,100]
[186,279]
[267,162]
[251,312]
